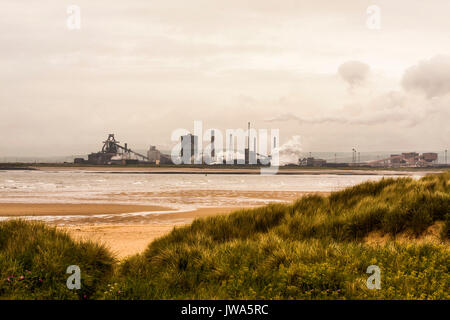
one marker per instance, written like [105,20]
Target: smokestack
[231,147]
[213,151]
[248,138]
[181,142]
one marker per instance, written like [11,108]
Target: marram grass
[315,248]
[34,259]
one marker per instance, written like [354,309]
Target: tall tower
[353,155]
[189,145]
[213,150]
[248,137]
[247,150]
[231,149]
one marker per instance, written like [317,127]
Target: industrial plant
[190,154]
[114,153]
[406,159]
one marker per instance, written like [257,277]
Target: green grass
[34,259]
[314,248]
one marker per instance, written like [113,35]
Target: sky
[330,75]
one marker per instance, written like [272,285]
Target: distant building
[189,148]
[396,159]
[114,153]
[410,158]
[100,158]
[429,156]
[165,159]
[154,155]
[312,162]
[79,160]
[407,159]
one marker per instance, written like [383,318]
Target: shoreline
[21,209]
[81,215]
[230,170]
[239,170]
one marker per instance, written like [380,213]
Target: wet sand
[56,209]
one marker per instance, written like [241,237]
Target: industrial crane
[111,145]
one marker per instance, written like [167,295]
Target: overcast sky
[141,69]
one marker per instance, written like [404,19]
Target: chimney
[213,151]
[248,138]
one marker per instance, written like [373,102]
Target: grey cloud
[432,77]
[354,72]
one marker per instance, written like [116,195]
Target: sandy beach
[130,235]
[123,239]
[128,239]
[126,233]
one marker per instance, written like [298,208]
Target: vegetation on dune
[315,248]
[34,259]
[269,268]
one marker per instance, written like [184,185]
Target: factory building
[410,158]
[189,148]
[407,159]
[79,161]
[429,157]
[154,155]
[312,162]
[114,153]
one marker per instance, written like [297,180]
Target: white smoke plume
[290,151]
